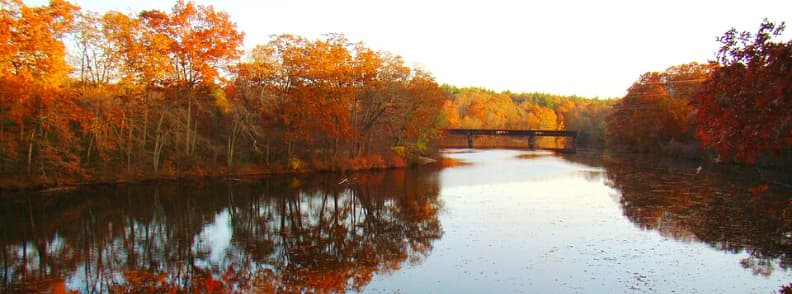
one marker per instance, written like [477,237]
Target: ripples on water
[510,221]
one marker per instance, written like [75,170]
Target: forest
[734,109]
[477,108]
[116,97]
[169,94]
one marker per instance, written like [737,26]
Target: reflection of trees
[294,235]
[334,239]
[728,208]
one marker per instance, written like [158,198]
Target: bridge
[531,134]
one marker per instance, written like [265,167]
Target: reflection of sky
[215,238]
[503,166]
[547,225]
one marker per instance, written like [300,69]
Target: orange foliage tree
[485,109]
[656,110]
[170,74]
[326,100]
[35,114]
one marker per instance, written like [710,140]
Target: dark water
[503,224]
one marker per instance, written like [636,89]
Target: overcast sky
[587,48]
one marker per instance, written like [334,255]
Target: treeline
[657,114]
[735,109]
[163,94]
[477,108]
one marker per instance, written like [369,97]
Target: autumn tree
[481,108]
[589,119]
[254,96]
[35,114]
[656,109]
[478,108]
[328,91]
[107,138]
[744,108]
[541,118]
[158,93]
[335,100]
[417,113]
[383,79]
[171,66]
[275,76]
[202,41]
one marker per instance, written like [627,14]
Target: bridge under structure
[531,134]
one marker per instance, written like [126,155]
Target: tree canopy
[170,93]
[744,109]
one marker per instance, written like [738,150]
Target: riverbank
[291,166]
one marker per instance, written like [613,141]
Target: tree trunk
[158,143]
[30,151]
[230,153]
[194,136]
[145,119]
[129,146]
[188,129]
[90,146]
[267,153]
[232,138]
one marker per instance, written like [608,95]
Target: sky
[567,47]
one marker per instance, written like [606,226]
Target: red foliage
[786,289]
[743,109]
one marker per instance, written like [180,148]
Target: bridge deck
[505,132]
[531,134]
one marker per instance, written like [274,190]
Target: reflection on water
[733,209]
[592,224]
[508,222]
[281,234]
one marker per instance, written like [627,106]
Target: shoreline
[249,171]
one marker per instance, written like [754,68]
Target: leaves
[656,109]
[743,110]
[481,108]
[337,98]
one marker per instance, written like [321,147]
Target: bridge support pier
[470,140]
[571,147]
[531,142]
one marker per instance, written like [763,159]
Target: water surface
[591,224]
[509,221]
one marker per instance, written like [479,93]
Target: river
[505,221]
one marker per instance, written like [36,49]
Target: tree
[278,72]
[34,114]
[96,59]
[156,91]
[418,122]
[201,42]
[743,109]
[656,109]
[252,97]
[172,64]
[382,79]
